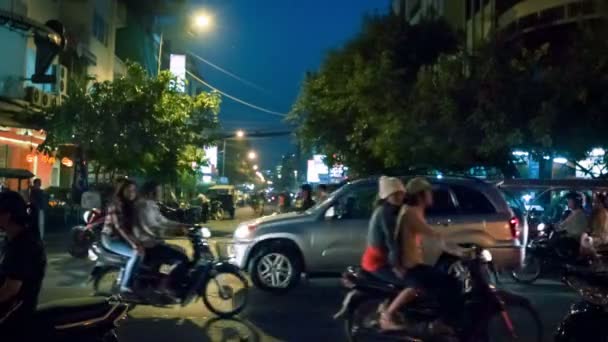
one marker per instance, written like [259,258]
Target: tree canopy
[136,124]
[398,97]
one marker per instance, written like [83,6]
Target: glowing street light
[255,167]
[240,133]
[252,155]
[203,21]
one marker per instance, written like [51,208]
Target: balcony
[530,15]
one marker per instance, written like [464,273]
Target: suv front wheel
[276,268]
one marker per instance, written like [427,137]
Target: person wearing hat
[411,228]
[381,257]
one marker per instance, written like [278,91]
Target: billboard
[177,66]
[318,172]
[211,157]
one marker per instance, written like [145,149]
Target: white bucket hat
[388,186]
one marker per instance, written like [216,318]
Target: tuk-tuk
[226,194]
[18,174]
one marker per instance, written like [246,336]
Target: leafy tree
[136,124]
[343,108]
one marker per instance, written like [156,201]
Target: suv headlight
[244,231]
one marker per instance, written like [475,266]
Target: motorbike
[190,215]
[547,253]
[80,319]
[488,314]
[587,319]
[83,236]
[221,285]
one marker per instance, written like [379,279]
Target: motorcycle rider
[598,224]
[574,225]
[117,233]
[150,222]
[381,256]
[411,228]
[22,267]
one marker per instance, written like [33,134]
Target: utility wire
[236,99]
[236,77]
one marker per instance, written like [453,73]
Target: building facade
[90,38]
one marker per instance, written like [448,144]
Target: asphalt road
[305,314]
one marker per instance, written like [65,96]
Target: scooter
[487,312]
[221,285]
[547,253]
[83,236]
[74,320]
[587,319]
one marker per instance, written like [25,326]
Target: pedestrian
[322,193]
[117,234]
[306,201]
[204,207]
[39,202]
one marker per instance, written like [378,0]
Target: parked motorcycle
[83,236]
[488,314]
[587,319]
[547,253]
[222,286]
[81,319]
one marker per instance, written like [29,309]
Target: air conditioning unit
[61,79]
[33,95]
[49,100]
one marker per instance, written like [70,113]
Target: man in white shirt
[150,223]
[576,223]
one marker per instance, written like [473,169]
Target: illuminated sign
[211,157]
[177,66]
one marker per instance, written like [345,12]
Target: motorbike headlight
[541,227]
[205,232]
[87,215]
[486,256]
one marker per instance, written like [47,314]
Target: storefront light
[67,162]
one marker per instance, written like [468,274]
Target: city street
[305,314]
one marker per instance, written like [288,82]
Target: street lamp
[240,133]
[201,21]
[255,167]
[252,155]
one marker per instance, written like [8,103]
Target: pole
[224,159]
[160,51]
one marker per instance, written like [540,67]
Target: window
[442,203]
[100,28]
[357,203]
[471,201]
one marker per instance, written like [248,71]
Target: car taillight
[514,225]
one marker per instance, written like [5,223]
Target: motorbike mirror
[330,214]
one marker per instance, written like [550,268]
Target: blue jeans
[121,247]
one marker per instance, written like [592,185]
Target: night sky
[272,43]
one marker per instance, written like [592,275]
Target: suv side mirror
[330,213]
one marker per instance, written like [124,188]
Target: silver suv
[276,250]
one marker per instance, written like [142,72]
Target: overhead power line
[236,77]
[236,99]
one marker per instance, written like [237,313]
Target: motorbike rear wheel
[226,293]
[529,272]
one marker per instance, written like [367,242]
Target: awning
[16,173]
